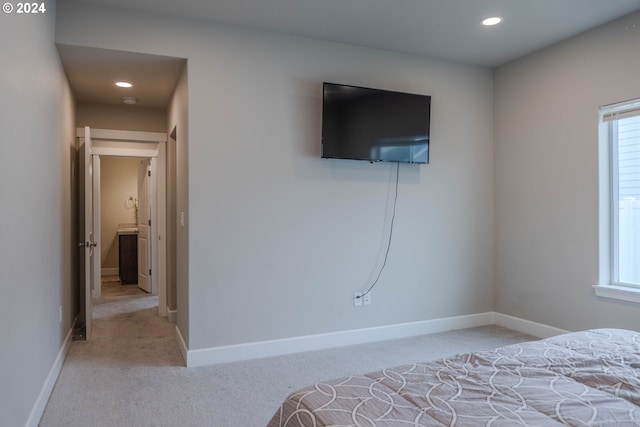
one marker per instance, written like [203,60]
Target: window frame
[608,284]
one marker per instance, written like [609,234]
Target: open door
[89,258]
[144,225]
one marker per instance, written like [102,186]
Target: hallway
[114,379]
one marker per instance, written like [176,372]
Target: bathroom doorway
[124,224]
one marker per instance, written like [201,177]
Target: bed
[588,378]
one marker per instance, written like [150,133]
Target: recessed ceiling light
[493,20]
[131,100]
[124,84]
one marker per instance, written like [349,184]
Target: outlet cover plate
[366,299]
[357,299]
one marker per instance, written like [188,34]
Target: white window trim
[622,293]
[606,288]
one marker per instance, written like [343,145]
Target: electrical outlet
[357,299]
[366,300]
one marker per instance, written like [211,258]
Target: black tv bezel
[370,160]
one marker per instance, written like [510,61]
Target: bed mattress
[588,378]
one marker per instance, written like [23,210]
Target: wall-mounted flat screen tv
[375,125]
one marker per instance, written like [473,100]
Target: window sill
[618,292]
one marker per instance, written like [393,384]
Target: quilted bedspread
[589,378]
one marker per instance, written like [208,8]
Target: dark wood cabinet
[128,258]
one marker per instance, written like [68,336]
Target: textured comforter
[589,378]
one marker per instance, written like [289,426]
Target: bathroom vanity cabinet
[128,257]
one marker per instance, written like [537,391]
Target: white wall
[36,222]
[177,202]
[122,117]
[279,239]
[546,147]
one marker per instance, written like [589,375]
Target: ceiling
[444,29]
[93,72]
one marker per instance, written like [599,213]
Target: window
[620,199]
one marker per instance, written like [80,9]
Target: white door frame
[152,145]
[89,261]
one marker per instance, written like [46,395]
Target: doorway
[149,149]
[125,253]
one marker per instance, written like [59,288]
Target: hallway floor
[112,287]
[114,378]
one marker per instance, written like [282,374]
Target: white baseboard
[172,315]
[526,326]
[38,407]
[182,346]
[254,350]
[110,271]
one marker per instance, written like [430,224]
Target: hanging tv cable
[393,218]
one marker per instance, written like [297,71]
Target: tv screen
[375,125]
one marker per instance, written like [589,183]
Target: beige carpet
[115,289]
[131,373]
